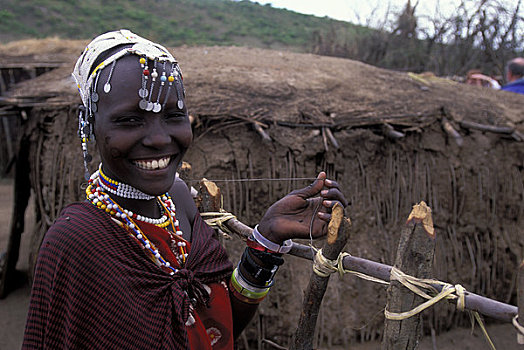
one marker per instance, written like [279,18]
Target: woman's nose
[156,135]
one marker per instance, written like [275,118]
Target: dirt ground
[13,308]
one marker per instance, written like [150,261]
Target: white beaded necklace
[96,195]
[119,188]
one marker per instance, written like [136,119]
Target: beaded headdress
[86,76]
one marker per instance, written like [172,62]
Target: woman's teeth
[152,164]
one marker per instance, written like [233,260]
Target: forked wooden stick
[338,234]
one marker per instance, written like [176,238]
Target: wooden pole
[485,127]
[8,140]
[450,130]
[261,132]
[474,302]
[332,138]
[390,132]
[415,258]
[520,301]
[338,233]
[209,196]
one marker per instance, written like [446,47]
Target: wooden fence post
[520,301]
[338,234]
[414,257]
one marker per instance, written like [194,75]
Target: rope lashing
[415,284]
[324,267]
[321,265]
[217,220]
[519,328]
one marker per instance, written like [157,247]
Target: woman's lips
[152,164]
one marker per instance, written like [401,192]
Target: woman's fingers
[334,194]
[313,189]
[324,216]
[331,183]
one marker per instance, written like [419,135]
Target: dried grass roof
[305,89]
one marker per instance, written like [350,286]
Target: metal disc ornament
[94,97]
[142,104]
[149,106]
[142,93]
[156,107]
[107,88]
[94,108]
[180,104]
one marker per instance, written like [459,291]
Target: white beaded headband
[86,77]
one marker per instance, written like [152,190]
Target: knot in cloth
[192,292]
[195,289]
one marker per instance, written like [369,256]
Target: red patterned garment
[96,288]
[211,325]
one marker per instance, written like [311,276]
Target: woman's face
[138,147]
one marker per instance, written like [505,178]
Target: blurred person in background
[515,76]
[475,77]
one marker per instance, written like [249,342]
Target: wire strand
[254,179]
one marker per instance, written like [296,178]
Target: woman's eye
[175,116]
[128,120]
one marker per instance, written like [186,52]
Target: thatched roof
[277,86]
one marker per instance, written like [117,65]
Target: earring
[84,131]
[145,76]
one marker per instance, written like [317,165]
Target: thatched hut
[263,120]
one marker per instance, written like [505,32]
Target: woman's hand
[293,215]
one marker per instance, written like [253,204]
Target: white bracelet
[284,248]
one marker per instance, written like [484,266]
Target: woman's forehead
[150,85]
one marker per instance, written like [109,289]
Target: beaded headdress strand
[87,77]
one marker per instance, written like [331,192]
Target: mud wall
[476,193]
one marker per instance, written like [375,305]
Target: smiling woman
[134,266]
[137,147]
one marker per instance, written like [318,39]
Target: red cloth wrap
[96,288]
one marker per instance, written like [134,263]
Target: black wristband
[255,274]
[268,260]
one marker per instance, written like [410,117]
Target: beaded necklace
[126,218]
[119,188]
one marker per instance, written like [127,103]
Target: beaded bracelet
[284,248]
[242,298]
[244,288]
